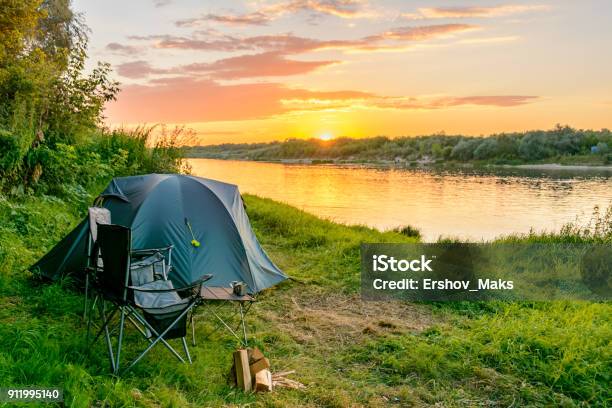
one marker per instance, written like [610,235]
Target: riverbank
[346,352]
[419,164]
[561,144]
[558,166]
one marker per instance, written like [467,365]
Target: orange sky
[260,70]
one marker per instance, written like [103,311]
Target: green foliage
[409,231]
[559,144]
[597,230]
[487,149]
[45,100]
[9,150]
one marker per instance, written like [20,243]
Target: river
[467,205]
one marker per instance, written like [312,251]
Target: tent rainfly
[204,219]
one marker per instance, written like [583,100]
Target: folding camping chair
[153,306]
[152,262]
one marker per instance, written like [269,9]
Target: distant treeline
[563,144]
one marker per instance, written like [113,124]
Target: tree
[44,96]
[464,150]
[487,149]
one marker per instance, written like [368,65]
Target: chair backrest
[115,243]
[97,215]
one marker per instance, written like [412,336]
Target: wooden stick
[263,381]
[243,373]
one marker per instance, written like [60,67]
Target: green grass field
[346,352]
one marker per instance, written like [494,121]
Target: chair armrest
[193,285]
[151,250]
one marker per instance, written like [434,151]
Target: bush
[464,150]
[10,153]
[487,149]
[409,231]
[534,147]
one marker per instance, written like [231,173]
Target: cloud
[272,54]
[268,64]
[291,44]
[472,12]
[408,103]
[186,99]
[276,42]
[499,101]
[346,9]
[489,40]
[138,69]
[161,3]
[244,19]
[122,49]
[338,8]
[419,33]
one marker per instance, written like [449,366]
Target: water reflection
[469,204]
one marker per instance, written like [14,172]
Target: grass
[347,352]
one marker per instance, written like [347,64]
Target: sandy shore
[556,166]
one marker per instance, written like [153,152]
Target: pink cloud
[280,42]
[258,65]
[291,44]
[138,69]
[337,8]
[186,99]
[419,33]
[268,64]
[473,12]
[244,19]
[273,60]
[500,101]
[410,103]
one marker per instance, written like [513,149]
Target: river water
[467,205]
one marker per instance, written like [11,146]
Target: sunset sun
[326,136]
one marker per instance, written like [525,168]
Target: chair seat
[157,300]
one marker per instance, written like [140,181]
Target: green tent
[164,209]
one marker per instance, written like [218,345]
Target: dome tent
[164,209]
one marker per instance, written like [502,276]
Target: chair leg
[192,330]
[121,324]
[186,349]
[107,336]
[89,316]
[152,330]
[105,321]
[159,338]
[86,296]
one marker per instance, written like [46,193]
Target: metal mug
[239,288]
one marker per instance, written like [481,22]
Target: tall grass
[597,230]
